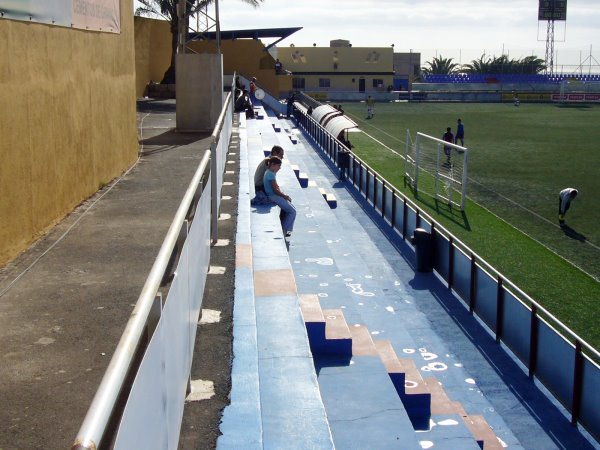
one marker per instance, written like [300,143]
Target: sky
[460,29]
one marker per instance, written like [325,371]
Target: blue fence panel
[424,225]
[442,251]
[371,185]
[590,398]
[555,363]
[389,199]
[411,222]
[516,324]
[486,293]
[462,274]
[379,195]
[399,218]
[363,180]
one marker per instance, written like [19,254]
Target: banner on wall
[96,15]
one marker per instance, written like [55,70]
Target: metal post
[499,309]
[473,285]
[533,341]
[218,24]
[464,181]
[214,208]
[577,383]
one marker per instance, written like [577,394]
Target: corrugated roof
[321,112]
[338,124]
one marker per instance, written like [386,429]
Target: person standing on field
[565,198]
[460,133]
[448,137]
[370,107]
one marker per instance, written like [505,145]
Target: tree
[440,66]
[502,64]
[168,10]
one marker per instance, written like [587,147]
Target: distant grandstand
[507,78]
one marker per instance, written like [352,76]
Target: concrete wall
[199,91]
[68,121]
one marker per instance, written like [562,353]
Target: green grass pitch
[519,160]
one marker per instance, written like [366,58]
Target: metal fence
[139,403]
[565,364]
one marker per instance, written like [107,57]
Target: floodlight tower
[550,11]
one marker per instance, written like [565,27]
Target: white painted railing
[139,403]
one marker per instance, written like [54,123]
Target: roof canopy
[338,124]
[280,33]
[320,113]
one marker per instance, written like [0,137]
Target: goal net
[437,168]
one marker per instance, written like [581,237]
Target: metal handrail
[479,259]
[94,425]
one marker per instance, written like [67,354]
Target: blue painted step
[362,406]
[328,333]
[410,386]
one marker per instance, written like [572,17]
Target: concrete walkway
[64,302]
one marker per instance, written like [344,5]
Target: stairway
[350,367]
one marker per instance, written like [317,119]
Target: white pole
[218,24]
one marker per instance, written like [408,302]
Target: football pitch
[519,160]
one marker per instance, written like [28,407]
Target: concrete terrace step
[264,412]
[363,409]
[477,425]
[411,387]
[328,333]
[329,198]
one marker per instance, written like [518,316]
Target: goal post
[437,168]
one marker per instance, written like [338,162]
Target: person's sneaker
[288,233]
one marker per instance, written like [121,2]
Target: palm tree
[502,64]
[168,10]
[440,66]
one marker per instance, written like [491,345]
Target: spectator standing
[277,196]
[253,90]
[243,103]
[278,66]
[238,86]
[565,198]
[260,197]
[460,133]
[290,104]
[448,137]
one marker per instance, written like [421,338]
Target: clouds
[453,27]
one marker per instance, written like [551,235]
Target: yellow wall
[348,59]
[340,65]
[68,121]
[152,51]
[244,56]
[248,57]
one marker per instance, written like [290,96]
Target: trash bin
[423,242]
[343,162]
